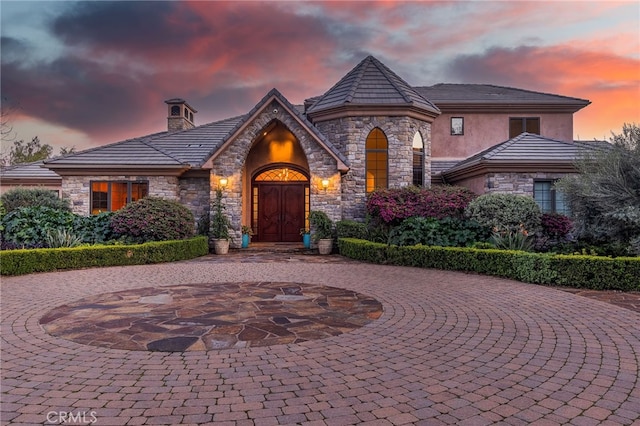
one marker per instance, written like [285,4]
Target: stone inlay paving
[194,317]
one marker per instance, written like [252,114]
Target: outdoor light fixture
[223,182]
[325,184]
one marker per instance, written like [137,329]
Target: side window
[519,125]
[109,196]
[457,126]
[377,160]
[418,160]
[550,199]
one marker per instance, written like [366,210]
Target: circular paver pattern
[449,348]
[211,316]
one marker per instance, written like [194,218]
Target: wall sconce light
[325,184]
[223,183]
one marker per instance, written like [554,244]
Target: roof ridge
[148,142]
[384,70]
[503,87]
[356,83]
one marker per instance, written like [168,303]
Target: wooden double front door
[280,210]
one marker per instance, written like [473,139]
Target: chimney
[180,116]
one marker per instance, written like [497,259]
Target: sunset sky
[82,74]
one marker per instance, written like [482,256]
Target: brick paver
[450,348]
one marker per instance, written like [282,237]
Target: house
[370,130]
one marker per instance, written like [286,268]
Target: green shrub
[445,232]
[19,262]
[28,226]
[600,273]
[16,198]
[505,212]
[219,222]
[321,225]
[351,229]
[94,229]
[153,219]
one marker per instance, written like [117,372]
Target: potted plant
[322,231]
[219,226]
[306,237]
[247,232]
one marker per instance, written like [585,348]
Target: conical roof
[372,84]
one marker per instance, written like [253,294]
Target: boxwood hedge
[591,272]
[19,262]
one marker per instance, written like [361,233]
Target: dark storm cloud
[13,50]
[129,25]
[494,66]
[122,59]
[72,93]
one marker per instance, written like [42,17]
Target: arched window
[175,110]
[377,160]
[418,160]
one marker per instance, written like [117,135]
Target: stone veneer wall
[516,183]
[77,189]
[349,135]
[230,165]
[194,193]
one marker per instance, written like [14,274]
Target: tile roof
[194,146]
[186,148]
[29,171]
[487,93]
[189,148]
[371,83]
[530,148]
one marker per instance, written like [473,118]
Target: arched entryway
[279,202]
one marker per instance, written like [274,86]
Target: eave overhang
[128,169]
[31,181]
[354,110]
[509,107]
[484,167]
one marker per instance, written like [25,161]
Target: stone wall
[349,135]
[230,162]
[77,189]
[194,193]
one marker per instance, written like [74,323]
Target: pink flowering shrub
[392,206]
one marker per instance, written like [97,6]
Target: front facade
[279,161]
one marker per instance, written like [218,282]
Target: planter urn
[325,246]
[221,246]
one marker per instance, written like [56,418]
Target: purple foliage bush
[555,225]
[392,206]
[153,219]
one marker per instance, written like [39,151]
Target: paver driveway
[450,348]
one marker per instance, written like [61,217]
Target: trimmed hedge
[591,272]
[19,262]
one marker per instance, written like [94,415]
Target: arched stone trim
[230,164]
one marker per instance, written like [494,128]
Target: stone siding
[349,135]
[77,189]
[516,183]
